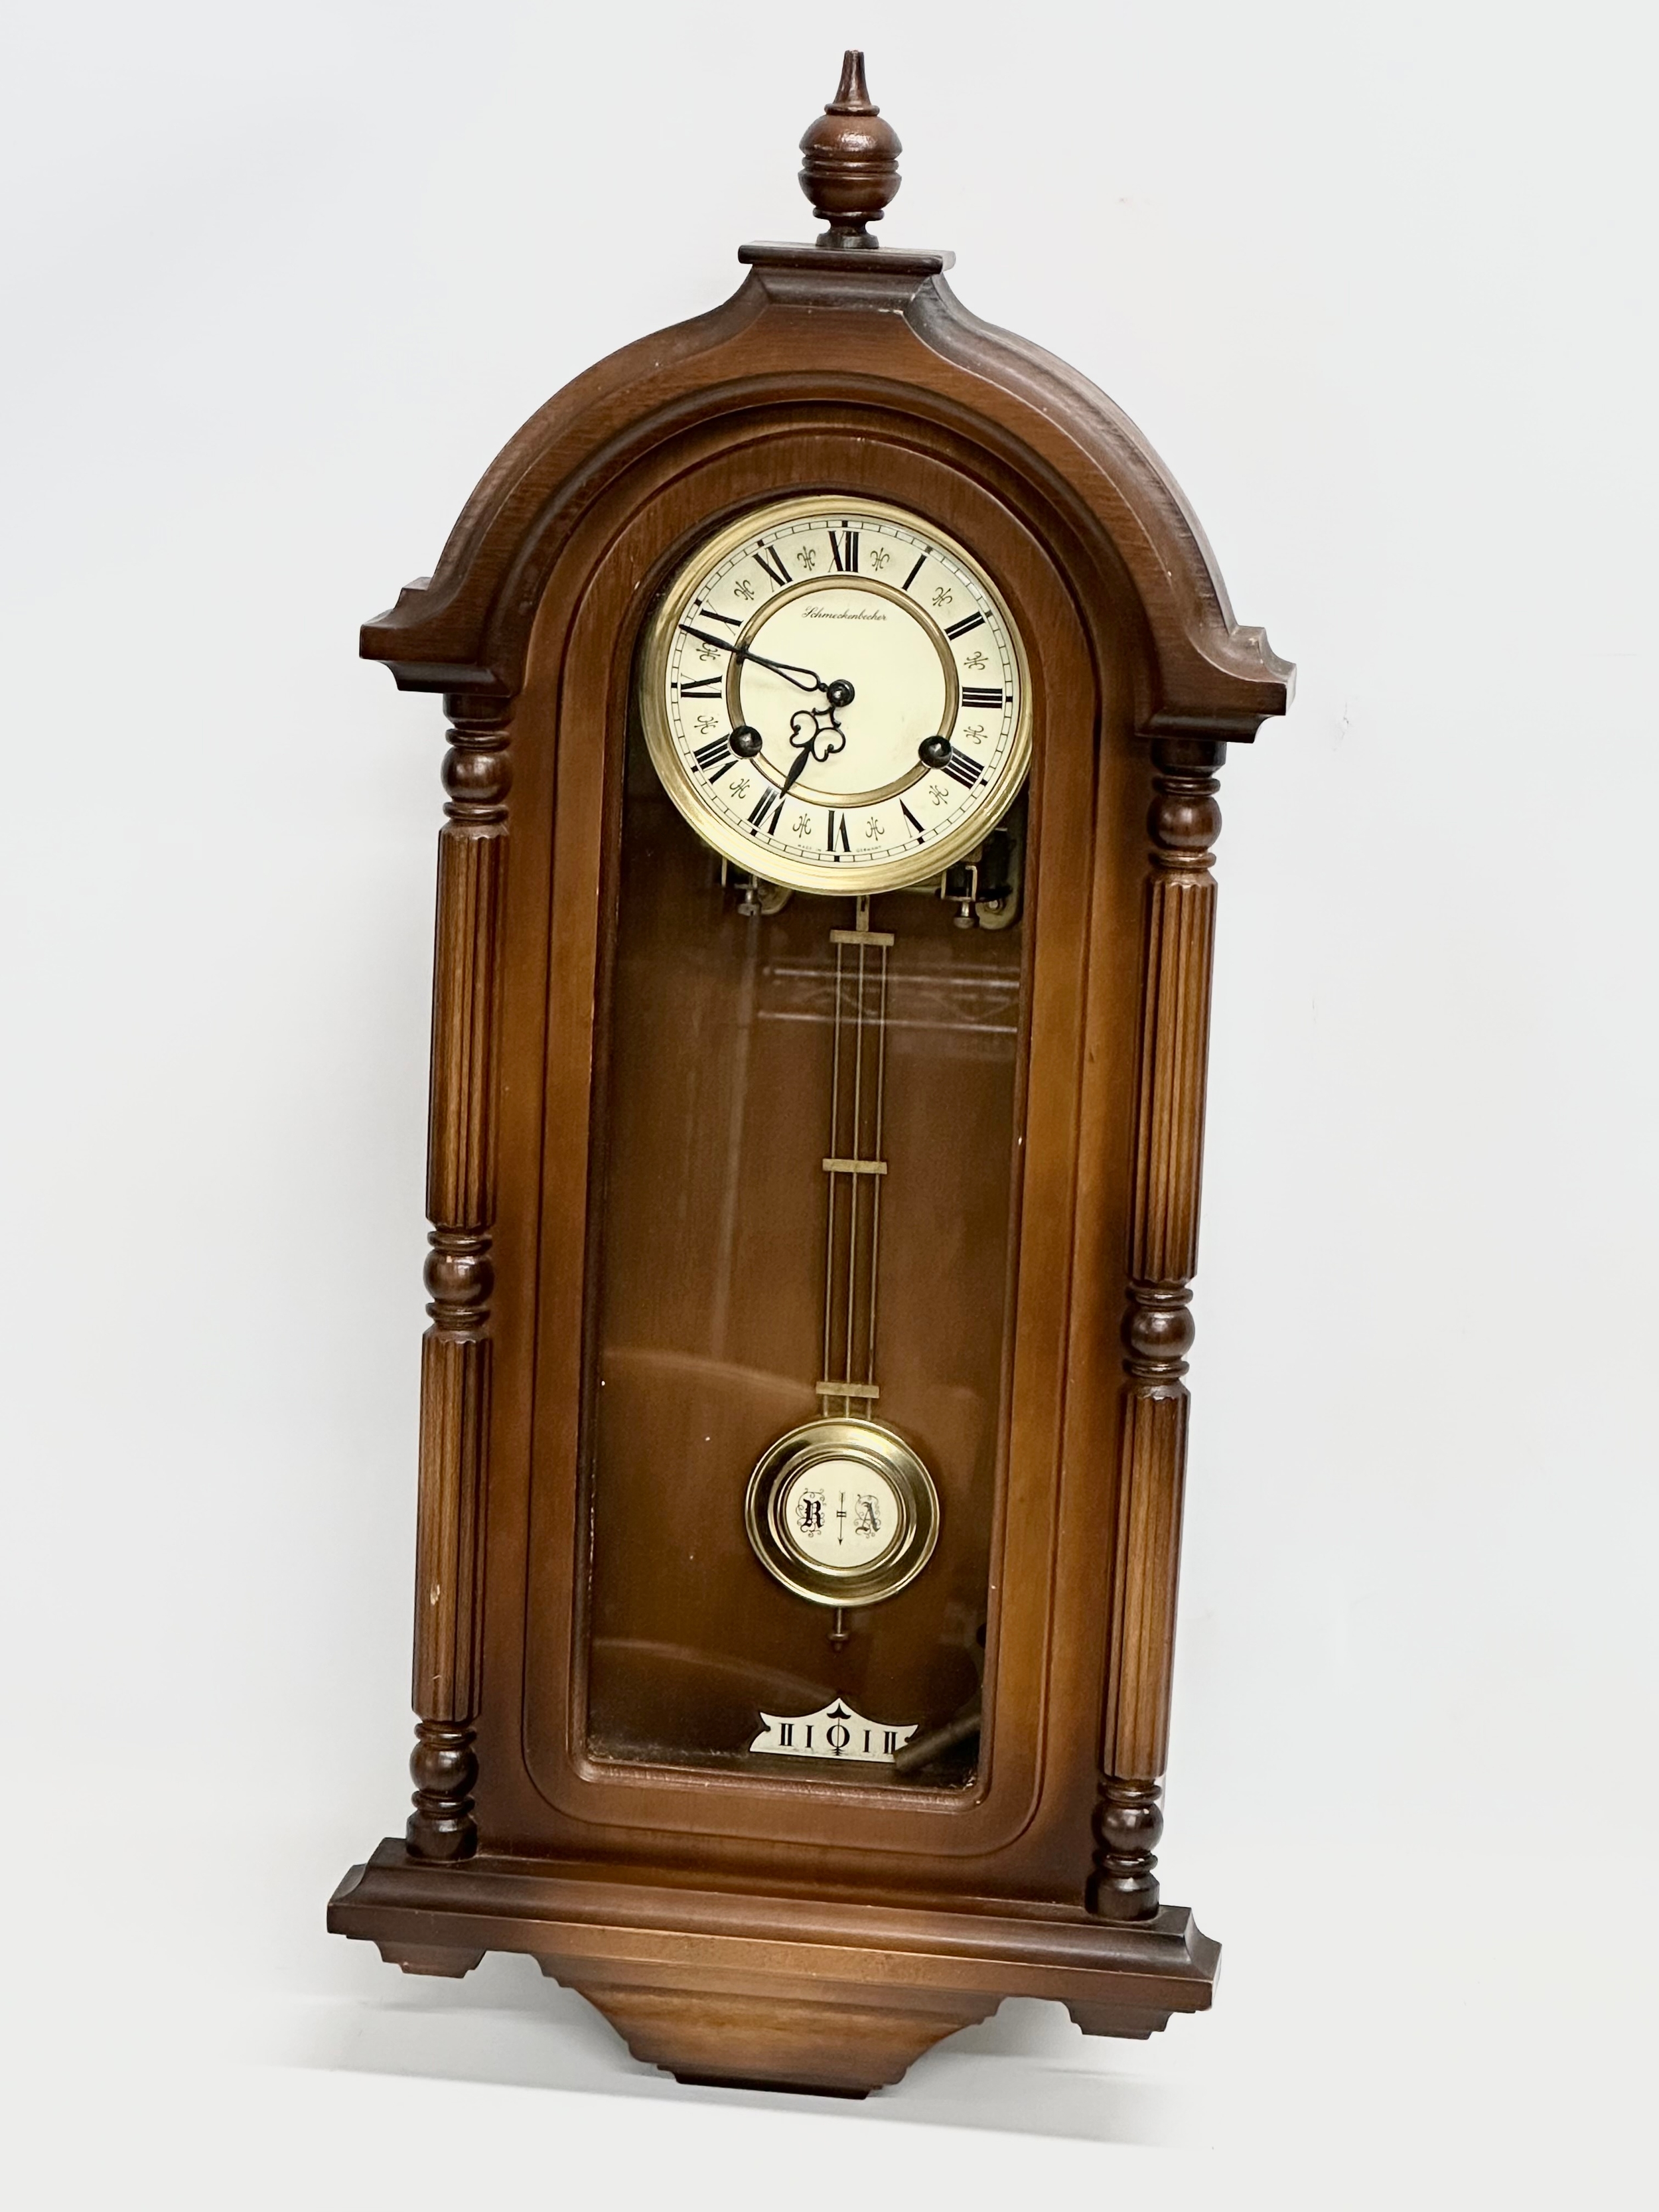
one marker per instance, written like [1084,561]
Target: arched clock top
[877,331]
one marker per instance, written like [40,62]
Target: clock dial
[836,697]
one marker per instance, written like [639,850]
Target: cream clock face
[836,697]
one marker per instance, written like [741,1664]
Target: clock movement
[837,686]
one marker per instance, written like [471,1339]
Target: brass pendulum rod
[875,1152]
[857,1086]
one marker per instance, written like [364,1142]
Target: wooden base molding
[773,1991]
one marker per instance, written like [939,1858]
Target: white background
[1375,282]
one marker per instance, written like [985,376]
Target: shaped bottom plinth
[774,1991]
[830,2046]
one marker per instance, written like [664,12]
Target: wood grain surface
[735,1922]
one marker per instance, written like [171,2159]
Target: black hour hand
[801,759]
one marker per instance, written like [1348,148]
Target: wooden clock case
[805,1931]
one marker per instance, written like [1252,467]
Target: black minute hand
[789,669]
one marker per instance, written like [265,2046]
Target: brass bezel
[828,880]
[879,1448]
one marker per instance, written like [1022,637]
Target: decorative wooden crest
[898,347]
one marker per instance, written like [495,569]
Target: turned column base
[1128,1822]
[443,1768]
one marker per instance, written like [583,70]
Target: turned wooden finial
[851,166]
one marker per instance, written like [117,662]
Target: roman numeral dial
[835,696]
[715,757]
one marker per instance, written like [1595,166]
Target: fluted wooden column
[455,1353]
[1158,1326]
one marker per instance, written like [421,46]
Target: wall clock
[837,687]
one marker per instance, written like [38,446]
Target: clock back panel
[709,1325]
